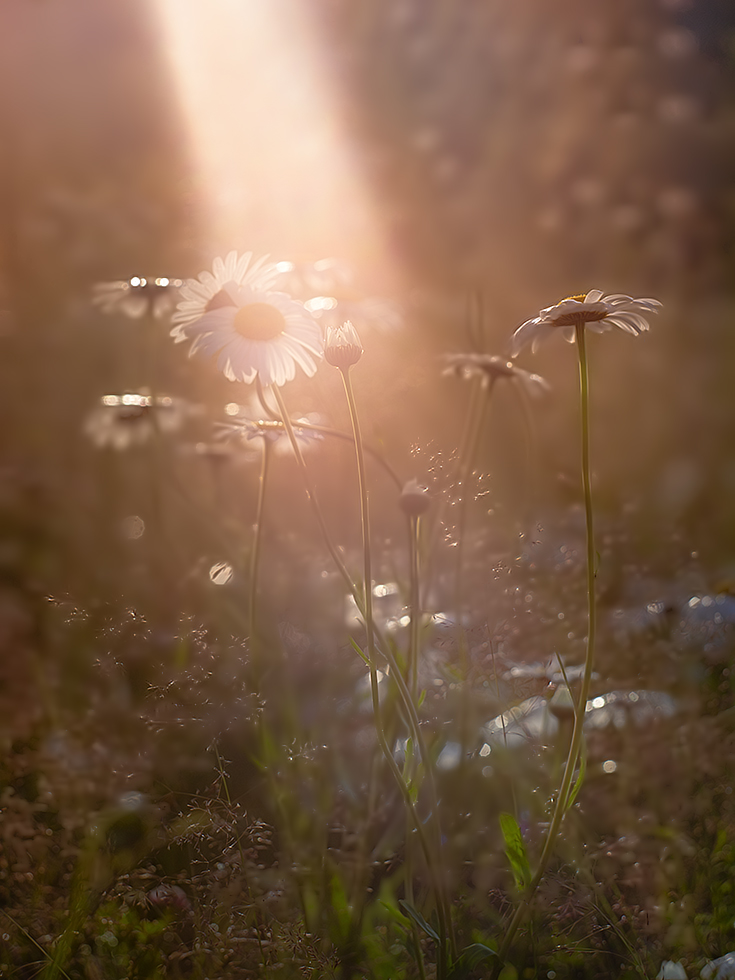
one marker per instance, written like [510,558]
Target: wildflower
[490,368]
[247,429]
[121,421]
[597,312]
[342,347]
[414,499]
[257,333]
[137,296]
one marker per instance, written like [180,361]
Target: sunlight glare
[275,172]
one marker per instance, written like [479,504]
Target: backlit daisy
[254,332]
[599,313]
[490,368]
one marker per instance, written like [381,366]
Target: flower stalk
[565,789]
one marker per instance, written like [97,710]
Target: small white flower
[255,332]
[599,313]
[137,296]
[671,970]
[490,368]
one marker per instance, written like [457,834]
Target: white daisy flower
[599,313]
[137,296]
[246,429]
[255,332]
[490,367]
[200,296]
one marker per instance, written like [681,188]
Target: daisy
[255,332]
[599,313]
[121,421]
[490,368]
[137,296]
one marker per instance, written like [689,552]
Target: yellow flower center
[259,321]
[578,298]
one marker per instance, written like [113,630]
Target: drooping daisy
[255,332]
[490,368]
[599,313]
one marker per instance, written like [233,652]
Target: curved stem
[465,440]
[369,626]
[411,712]
[327,430]
[580,707]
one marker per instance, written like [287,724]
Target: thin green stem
[476,398]
[364,515]
[415,599]
[372,664]
[410,707]
[327,430]
[255,553]
[580,707]
[464,489]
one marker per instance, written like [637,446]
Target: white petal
[593,296]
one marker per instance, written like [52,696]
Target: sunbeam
[276,171]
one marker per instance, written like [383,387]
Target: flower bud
[414,499]
[342,347]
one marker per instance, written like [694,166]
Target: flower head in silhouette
[597,312]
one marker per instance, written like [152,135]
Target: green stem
[464,490]
[377,711]
[580,707]
[415,599]
[255,553]
[411,712]
[476,398]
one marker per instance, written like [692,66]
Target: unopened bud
[342,347]
[414,499]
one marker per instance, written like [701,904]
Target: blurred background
[443,170]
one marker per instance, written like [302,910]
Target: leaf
[422,698]
[470,957]
[357,649]
[515,850]
[419,920]
[580,778]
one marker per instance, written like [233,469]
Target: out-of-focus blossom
[372,313]
[491,368]
[246,429]
[597,312]
[137,296]
[304,279]
[253,331]
[122,421]
[414,499]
